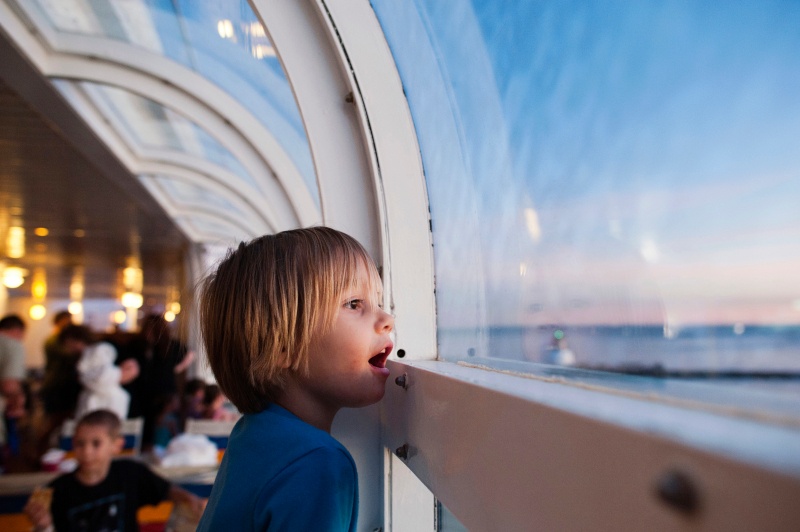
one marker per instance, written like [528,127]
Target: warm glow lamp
[132,300]
[119,317]
[14,276]
[37,312]
[15,242]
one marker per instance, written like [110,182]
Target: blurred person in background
[60,387]
[104,493]
[214,405]
[192,400]
[12,377]
[162,361]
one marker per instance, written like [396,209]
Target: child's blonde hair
[260,309]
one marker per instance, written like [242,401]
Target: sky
[607,163]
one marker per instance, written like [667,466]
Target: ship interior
[585,216]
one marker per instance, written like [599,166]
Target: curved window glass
[188,194]
[612,185]
[151,125]
[222,41]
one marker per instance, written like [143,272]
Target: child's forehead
[366,279]
[92,432]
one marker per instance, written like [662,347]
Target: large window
[613,186]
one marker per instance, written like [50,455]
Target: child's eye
[354,304]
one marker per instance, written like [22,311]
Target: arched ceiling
[189,99]
[95,224]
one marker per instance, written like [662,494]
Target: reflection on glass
[223,41]
[185,194]
[612,185]
[150,125]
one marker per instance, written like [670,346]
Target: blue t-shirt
[280,473]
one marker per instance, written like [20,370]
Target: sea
[740,355]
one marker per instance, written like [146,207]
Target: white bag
[100,379]
[190,450]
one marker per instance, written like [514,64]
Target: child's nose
[386,321]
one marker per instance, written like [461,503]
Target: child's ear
[119,443]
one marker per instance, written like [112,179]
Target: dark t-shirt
[110,505]
[156,380]
[61,386]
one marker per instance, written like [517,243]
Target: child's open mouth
[379,360]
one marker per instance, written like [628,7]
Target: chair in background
[216,431]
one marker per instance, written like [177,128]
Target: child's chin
[371,399]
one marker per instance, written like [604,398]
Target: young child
[102,494]
[167,424]
[214,405]
[294,331]
[192,400]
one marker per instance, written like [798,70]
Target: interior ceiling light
[41,231]
[75,308]
[39,284]
[76,285]
[132,279]
[37,312]
[14,276]
[15,242]
[119,317]
[132,300]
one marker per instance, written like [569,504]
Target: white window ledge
[554,451]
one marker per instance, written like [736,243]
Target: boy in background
[102,494]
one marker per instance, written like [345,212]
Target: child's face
[347,365]
[218,402]
[94,447]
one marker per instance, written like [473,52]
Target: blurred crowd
[135,375]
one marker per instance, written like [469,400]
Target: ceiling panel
[92,223]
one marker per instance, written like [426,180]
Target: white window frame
[501,451]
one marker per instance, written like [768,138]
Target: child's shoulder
[64,481]
[284,434]
[279,421]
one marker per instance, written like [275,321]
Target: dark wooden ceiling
[55,174]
